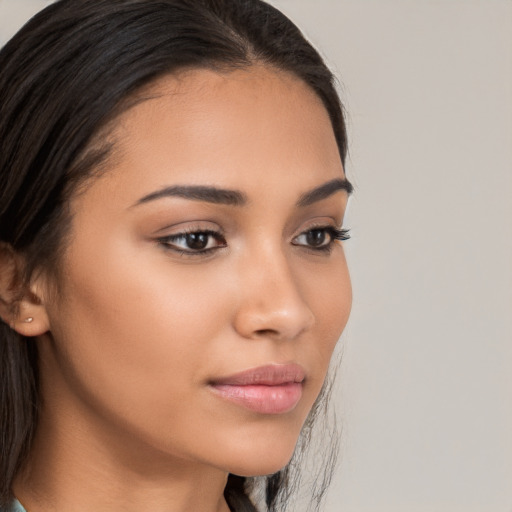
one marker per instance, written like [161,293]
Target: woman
[172,284]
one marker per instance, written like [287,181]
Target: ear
[21,306]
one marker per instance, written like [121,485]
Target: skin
[137,329]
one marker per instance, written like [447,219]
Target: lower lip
[276,399]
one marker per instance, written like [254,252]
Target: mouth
[270,389]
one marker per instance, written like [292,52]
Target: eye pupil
[197,240]
[316,237]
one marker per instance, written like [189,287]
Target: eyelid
[334,233]
[172,238]
[169,243]
[318,223]
[191,226]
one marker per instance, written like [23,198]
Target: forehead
[235,129]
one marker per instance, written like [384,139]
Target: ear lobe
[20,308]
[31,318]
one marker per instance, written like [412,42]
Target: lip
[270,389]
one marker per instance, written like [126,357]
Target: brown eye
[317,237]
[194,242]
[197,241]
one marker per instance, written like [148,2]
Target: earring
[28,320]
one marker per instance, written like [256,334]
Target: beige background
[426,382]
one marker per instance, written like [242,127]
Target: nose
[271,301]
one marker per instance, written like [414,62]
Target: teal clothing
[17,507]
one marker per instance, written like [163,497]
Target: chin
[259,459]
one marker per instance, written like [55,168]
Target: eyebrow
[229,197]
[199,193]
[324,191]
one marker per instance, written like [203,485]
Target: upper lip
[268,375]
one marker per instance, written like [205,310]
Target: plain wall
[426,380]
[426,391]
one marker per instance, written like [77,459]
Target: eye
[193,242]
[321,238]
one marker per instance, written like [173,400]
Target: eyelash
[169,241]
[333,233]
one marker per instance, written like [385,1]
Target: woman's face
[205,251]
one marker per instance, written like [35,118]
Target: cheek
[329,293]
[136,335]
[135,316]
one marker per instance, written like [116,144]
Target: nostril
[267,332]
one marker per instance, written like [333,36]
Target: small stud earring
[28,320]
